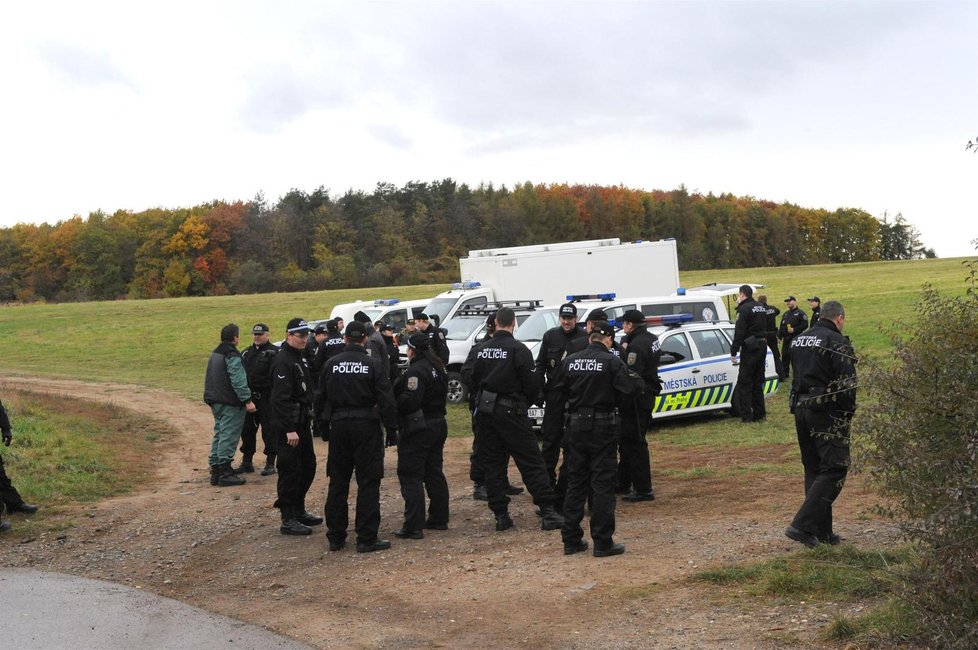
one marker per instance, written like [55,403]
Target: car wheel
[458,393]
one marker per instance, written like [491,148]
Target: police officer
[291,424]
[437,335]
[393,351]
[375,344]
[226,391]
[793,322]
[815,303]
[358,396]
[9,496]
[330,346]
[592,383]
[505,382]
[771,331]
[257,361]
[642,354]
[749,340]
[824,398]
[553,348]
[421,393]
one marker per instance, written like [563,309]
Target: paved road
[51,611]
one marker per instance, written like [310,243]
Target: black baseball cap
[361,317]
[297,325]
[790,298]
[597,314]
[568,309]
[633,316]
[423,317]
[320,329]
[355,330]
[259,328]
[419,341]
[815,299]
[604,328]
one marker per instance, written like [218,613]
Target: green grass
[66,451]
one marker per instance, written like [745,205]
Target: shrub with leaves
[918,439]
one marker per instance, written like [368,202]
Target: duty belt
[351,413]
[599,416]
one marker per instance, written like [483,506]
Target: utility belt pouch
[581,420]
[412,422]
[486,403]
[755,343]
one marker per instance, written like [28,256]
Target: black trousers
[476,473]
[420,468]
[772,344]
[786,356]
[8,493]
[750,385]
[552,432]
[355,444]
[249,431]
[508,432]
[590,459]
[634,467]
[296,471]
[823,438]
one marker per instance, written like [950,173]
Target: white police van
[697,372]
[389,310]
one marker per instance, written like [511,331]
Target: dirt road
[220,549]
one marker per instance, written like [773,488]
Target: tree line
[412,235]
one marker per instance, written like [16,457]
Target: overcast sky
[824,104]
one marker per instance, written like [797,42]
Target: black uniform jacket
[355,380]
[595,378]
[642,352]
[421,387]
[439,345]
[798,321]
[328,347]
[771,320]
[504,366]
[556,345]
[750,328]
[291,390]
[824,363]
[257,360]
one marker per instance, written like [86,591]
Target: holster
[411,423]
[486,402]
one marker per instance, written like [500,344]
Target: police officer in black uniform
[257,360]
[553,348]
[824,399]
[816,304]
[358,396]
[642,353]
[291,423]
[771,332]
[437,335]
[421,393]
[749,340]
[793,322]
[375,344]
[393,351]
[592,382]
[505,382]
[10,498]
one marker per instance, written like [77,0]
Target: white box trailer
[551,272]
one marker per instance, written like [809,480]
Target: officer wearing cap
[593,383]
[421,393]
[438,344]
[257,361]
[375,344]
[393,351]
[771,332]
[358,395]
[553,348]
[505,383]
[642,353]
[226,391]
[750,342]
[319,334]
[816,306]
[793,322]
[291,423]
[596,315]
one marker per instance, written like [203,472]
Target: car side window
[710,343]
[472,302]
[615,313]
[397,318]
[675,348]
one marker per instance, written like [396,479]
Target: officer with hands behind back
[291,423]
[824,399]
[358,395]
[592,383]
[257,359]
[749,340]
[505,382]
[642,354]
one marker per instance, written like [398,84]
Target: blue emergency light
[577,297]
[386,302]
[669,319]
[681,291]
[468,284]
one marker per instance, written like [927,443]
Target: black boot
[550,519]
[479,492]
[306,518]
[227,478]
[503,522]
[269,466]
[246,466]
[215,473]
[291,525]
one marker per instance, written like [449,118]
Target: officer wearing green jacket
[226,391]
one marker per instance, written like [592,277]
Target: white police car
[697,372]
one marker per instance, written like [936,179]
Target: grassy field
[165,343]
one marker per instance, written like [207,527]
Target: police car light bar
[468,284]
[386,302]
[577,297]
[669,319]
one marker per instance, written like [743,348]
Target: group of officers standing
[599,397]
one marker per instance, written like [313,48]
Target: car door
[697,373]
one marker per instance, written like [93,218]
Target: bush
[918,439]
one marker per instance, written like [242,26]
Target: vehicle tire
[458,393]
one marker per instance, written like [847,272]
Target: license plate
[536,414]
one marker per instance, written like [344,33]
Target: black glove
[391,438]
[7,437]
[324,430]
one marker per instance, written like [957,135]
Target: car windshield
[440,307]
[534,327]
[461,327]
